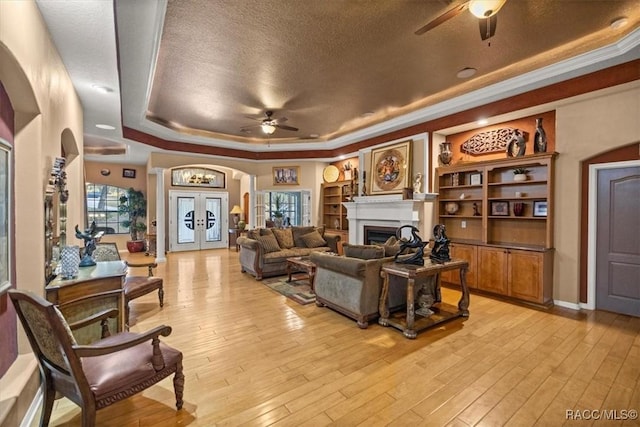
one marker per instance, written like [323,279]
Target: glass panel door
[198,220]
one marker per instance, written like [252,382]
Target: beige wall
[47,106]
[584,128]
[48,116]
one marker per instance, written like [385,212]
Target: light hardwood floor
[253,357]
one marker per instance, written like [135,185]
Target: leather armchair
[97,375]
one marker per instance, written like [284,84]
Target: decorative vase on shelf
[518,208]
[520,177]
[540,138]
[445,155]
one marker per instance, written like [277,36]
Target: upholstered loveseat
[352,284]
[264,251]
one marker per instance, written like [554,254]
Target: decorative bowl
[451,208]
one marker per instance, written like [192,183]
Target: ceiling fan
[269,124]
[485,10]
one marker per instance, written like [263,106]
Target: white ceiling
[197,71]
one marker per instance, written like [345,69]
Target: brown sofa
[264,251]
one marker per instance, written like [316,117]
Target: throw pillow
[284,236]
[269,243]
[391,246]
[363,251]
[298,232]
[313,240]
[266,231]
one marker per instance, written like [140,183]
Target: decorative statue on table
[415,244]
[90,237]
[440,251]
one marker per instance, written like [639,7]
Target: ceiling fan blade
[285,127]
[451,13]
[488,27]
[253,118]
[282,120]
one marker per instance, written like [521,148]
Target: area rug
[298,290]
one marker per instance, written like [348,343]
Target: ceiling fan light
[268,128]
[485,8]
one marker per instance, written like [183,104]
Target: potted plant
[278,202]
[134,205]
[520,174]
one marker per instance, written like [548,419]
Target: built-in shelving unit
[502,226]
[334,214]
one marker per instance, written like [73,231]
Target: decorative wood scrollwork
[491,141]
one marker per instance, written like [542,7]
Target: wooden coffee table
[301,264]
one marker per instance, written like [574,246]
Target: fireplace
[386,213]
[375,234]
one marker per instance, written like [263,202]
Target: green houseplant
[134,204]
[520,174]
[278,203]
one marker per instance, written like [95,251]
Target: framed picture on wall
[390,168]
[128,173]
[286,175]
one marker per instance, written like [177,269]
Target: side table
[234,233]
[441,311]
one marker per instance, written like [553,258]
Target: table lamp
[236,211]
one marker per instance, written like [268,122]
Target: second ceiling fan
[269,124]
[485,10]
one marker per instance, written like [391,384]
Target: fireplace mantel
[383,211]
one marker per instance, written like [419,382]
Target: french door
[198,220]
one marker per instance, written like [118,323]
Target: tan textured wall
[583,129]
[31,69]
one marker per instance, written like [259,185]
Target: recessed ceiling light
[106,127]
[466,72]
[367,114]
[618,23]
[314,135]
[483,122]
[103,89]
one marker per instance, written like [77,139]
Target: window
[102,207]
[289,204]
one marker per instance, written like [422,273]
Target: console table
[407,322]
[98,287]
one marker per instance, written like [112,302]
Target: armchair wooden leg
[89,414]
[178,385]
[47,400]
[161,296]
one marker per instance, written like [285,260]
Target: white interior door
[198,220]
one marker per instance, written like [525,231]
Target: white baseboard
[33,411]
[566,304]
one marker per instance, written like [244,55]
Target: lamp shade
[236,210]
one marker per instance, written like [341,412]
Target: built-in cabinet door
[525,275]
[492,270]
[468,253]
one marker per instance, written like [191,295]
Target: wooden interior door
[618,240]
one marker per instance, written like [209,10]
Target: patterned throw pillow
[298,232]
[363,251]
[391,246]
[269,243]
[313,240]
[284,236]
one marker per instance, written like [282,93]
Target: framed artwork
[128,173]
[500,208]
[540,208]
[286,175]
[390,168]
[198,177]
[475,178]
